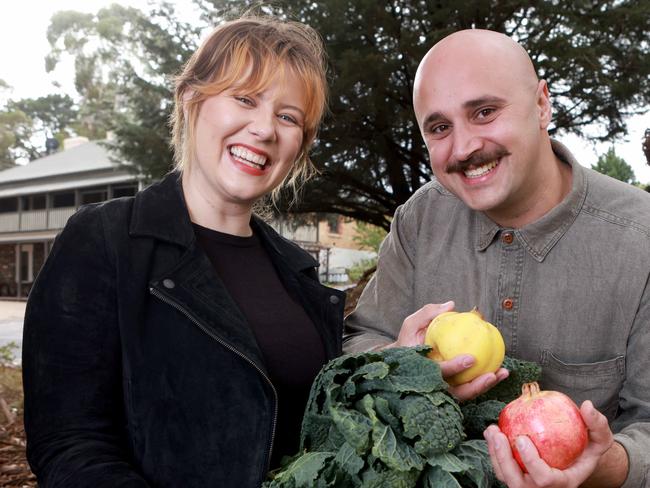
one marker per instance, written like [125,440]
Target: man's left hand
[539,473]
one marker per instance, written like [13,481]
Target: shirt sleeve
[632,425]
[388,297]
[74,407]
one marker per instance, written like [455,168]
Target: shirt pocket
[599,382]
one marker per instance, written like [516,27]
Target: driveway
[12,314]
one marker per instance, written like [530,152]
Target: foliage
[385,419]
[646,145]
[124,60]
[370,150]
[25,125]
[612,165]
[7,353]
[356,271]
[15,133]
[509,389]
[369,236]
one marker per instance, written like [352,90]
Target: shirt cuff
[364,343]
[637,462]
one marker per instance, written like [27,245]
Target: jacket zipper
[175,305]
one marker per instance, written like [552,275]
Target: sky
[23,28]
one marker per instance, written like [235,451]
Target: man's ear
[544,107]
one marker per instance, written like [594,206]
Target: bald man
[555,255]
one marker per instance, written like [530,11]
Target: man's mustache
[477,159]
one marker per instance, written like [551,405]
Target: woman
[171,339]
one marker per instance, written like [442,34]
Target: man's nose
[466,142]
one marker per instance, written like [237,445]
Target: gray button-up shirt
[569,291]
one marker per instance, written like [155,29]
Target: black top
[290,343]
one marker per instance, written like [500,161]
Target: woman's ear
[187,95]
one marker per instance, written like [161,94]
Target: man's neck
[548,187]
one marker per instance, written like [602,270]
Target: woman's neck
[229,218]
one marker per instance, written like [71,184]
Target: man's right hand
[412,333]
[414,327]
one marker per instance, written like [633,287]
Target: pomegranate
[551,420]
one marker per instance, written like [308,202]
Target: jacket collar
[539,237]
[160,212]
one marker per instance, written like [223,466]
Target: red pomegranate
[551,420]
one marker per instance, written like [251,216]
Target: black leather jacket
[139,369]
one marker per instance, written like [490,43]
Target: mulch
[14,470]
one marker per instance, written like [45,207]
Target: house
[37,199]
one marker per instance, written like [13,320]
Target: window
[334,223]
[124,191]
[8,205]
[25,265]
[34,202]
[93,196]
[65,199]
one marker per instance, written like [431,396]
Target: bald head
[482,49]
[478,55]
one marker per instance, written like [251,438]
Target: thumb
[415,325]
[600,433]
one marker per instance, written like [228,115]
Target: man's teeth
[480,171]
[247,157]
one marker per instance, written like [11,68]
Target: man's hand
[539,474]
[414,327]
[412,333]
[474,388]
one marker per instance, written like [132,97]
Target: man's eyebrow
[486,100]
[432,117]
[468,105]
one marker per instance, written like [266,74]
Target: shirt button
[334,299]
[508,303]
[507,238]
[167,283]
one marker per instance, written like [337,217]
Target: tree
[370,150]
[646,145]
[612,165]
[124,61]
[15,132]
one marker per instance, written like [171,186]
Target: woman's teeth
[480,171]
[249,158]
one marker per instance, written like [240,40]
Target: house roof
[89,156]
[82,166]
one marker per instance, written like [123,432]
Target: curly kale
[520,372]
[384,419]
[477,416]
[485,409]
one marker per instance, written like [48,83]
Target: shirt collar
[539,237]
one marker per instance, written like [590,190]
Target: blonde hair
[247,54]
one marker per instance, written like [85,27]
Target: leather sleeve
[74,412]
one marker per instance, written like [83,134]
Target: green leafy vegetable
[385,419]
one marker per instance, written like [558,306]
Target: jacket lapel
[195,289]
[185,278]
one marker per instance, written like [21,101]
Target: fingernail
[468,361]
[450,302]
[521,444]
[489,383]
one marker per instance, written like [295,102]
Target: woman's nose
[263,127]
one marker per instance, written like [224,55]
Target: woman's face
[246,143]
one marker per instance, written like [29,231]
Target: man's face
[482,125]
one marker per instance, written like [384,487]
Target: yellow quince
[454,333]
